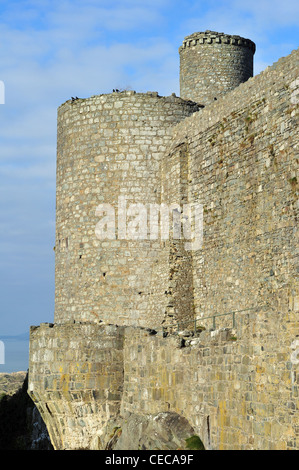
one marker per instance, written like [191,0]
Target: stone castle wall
[110,146]
[238,388]
[174,190]
[76,377]
[211,64]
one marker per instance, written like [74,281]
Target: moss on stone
[194,443]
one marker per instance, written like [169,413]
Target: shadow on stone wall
[21,427]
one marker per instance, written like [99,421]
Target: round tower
[109,153]
[211,64]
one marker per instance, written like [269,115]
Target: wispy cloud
[271,24]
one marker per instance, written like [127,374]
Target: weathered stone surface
[80,389]
[236,379]
[22,427]
[111,147]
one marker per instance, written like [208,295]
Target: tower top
[213,37]
[212,64]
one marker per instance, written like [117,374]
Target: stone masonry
[145,327]
[211,64]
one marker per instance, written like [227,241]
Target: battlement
[212,37]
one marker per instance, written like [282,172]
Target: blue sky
[51,50]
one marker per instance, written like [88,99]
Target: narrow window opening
[48,409]
[208,429]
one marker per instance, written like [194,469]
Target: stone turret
[109,154]
[146,330]
[211,64]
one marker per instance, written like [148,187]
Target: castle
[197,322]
